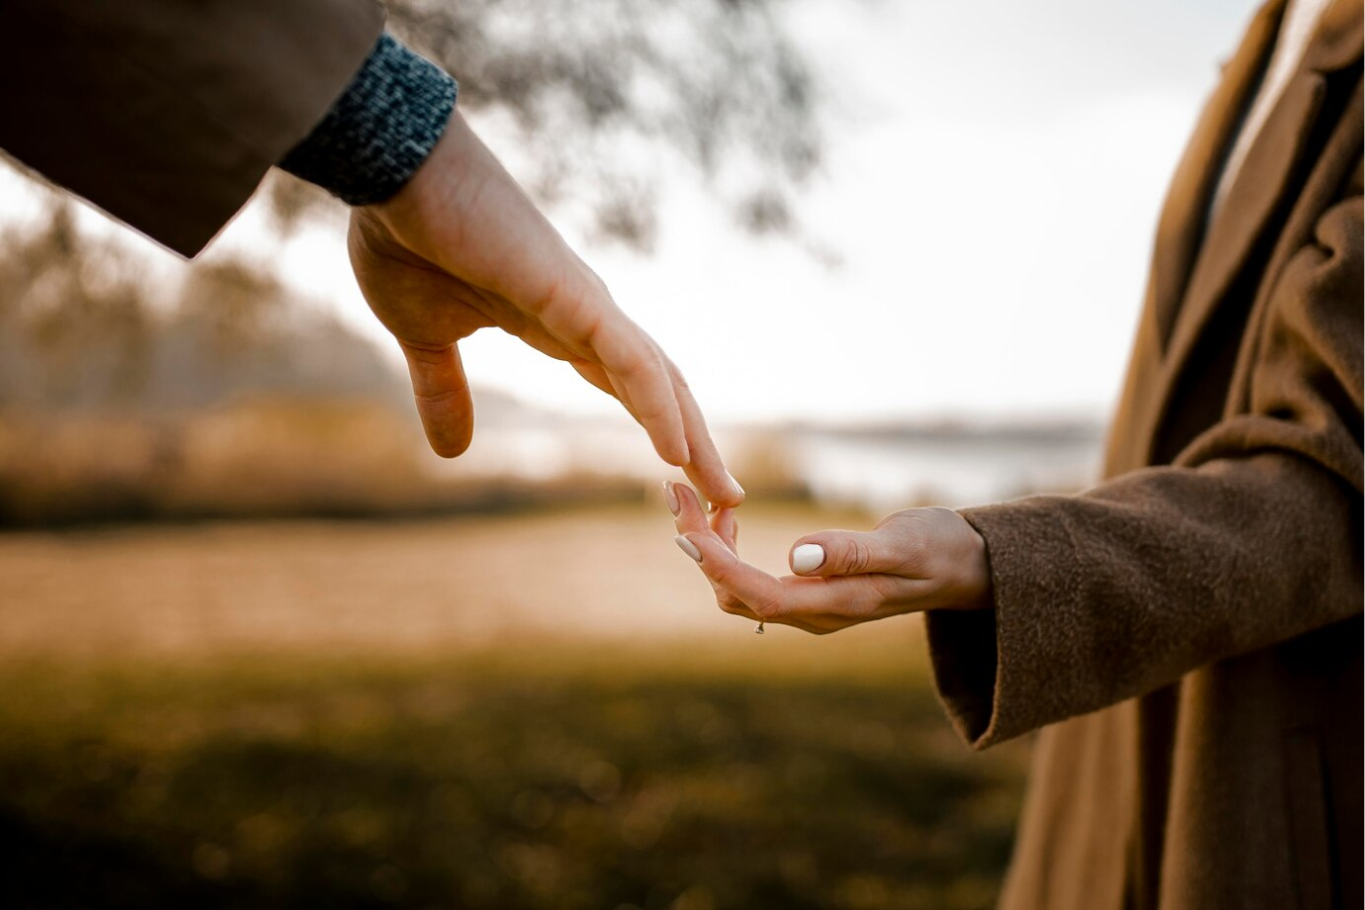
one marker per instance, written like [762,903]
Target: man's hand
[919,559]
[460,248]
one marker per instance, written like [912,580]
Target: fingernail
[807,558]
[735,483]
[688,547]
[671,498]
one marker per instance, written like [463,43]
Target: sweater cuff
[380,130]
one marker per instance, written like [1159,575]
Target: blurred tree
[84,325]
[604,98]
[73,317]
[602,95]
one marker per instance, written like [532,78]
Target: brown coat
[1189,631]
[167,113]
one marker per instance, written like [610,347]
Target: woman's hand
[461,248]
[918,559]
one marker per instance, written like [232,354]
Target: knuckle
[589,330]
[857,556]
[595,285]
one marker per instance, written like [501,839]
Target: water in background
[879,468]
[953,467]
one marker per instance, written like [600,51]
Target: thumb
[441,391]
[829,553]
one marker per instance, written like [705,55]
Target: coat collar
[1196,261]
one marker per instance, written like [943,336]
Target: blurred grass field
[364,734]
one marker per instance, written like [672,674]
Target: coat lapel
[1258,187]
[1266,175]
[1180,229]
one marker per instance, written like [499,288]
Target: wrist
[967,582]
[414,223]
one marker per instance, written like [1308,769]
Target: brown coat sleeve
[1253,537]
[167,113]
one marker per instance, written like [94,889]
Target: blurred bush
[653,780]
[124,396]
[84,326]
[766,458]
[267,457]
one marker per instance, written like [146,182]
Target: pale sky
[992,179]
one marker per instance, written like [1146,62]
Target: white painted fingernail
[688,547]
[807,558]
[735,483]
[671,497]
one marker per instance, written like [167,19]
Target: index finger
[637,370]
[705,468]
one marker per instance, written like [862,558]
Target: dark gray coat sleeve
[166,113]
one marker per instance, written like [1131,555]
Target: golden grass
[610,573]
[536,712]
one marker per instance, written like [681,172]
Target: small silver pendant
[759,630]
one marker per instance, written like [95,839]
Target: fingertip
[690,516]
[449,444]
[687,497]
[450,450]
[720,501]
[725,493]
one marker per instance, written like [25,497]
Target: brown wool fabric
[1188,633]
